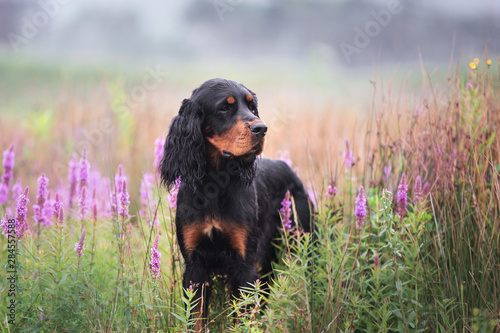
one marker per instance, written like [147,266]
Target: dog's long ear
[184,149]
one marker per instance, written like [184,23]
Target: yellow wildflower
[488,62]
[476,60]
[472,65]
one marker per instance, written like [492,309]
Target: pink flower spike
[387,173]
[61,217]
[8,165]
[57,206]
[43,183]
[376,261]
[418,189]
[39,206]
[84,169]
[155,259]
[286,212]
[146,188]
[348,157]
[402,196]
[82,204]
[47,211]
[426,189]
[360,208]
[17,190]
[8,159]
[8,174]
[172,197]
[94,205]
[146,194]
[72,178]
[5,225]
[158,153]
[124,200]
[331,191]
[80,245]
[118,180]
[4,193]
[21,211]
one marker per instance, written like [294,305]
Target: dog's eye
[252,108]
[224,109]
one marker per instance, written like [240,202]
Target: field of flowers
[406,228]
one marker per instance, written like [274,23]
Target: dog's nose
[259,129]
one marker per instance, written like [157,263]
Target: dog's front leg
[243,277]
[196,279]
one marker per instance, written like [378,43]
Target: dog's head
[218,123]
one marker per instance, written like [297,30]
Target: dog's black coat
[229,199]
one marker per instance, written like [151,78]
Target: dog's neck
[236,170]
[215,192]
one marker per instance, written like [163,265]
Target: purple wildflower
[331,191]
[348,157]
[84,169]
[72,178]
[5,224]
[118,180]
[286,212]
[146,187]
[21,211]
[386,173]
[158,153]
[172,197]
[285,157]
[360,208]
[17,190]
[80,245]
[94,205]
[8,165]
[402,196]
[47,211]
[82,204]
[147,196]
[57,206]
[4,193]
[376,261]
[8,173]
[124,200]
[146,191]
[418,189]
[43,183]
[426,189]
[61,217]
[155,259]
[38,207]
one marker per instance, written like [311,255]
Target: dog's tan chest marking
[237,234]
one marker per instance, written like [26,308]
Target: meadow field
[404,175]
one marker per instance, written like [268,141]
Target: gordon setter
[229,200]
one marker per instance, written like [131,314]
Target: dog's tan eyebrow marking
[230,100]
[249,97]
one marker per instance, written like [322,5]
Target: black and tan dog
[229,200]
